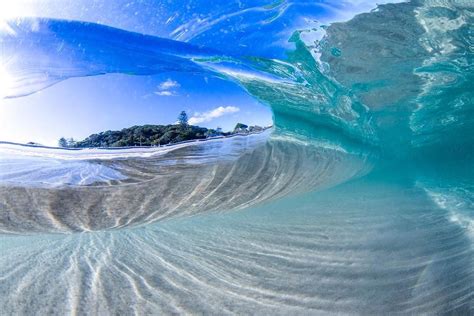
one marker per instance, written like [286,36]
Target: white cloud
[213,114]
[168,88]
[169,84]
[165,93]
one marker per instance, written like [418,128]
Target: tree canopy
[146,135]
[62,142]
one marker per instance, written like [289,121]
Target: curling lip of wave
[86,49]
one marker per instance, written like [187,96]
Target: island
[156,135]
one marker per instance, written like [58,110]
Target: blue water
[359,201]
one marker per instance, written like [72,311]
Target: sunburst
[10,9]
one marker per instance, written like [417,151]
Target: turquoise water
[359,201]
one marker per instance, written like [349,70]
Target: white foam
[456,207]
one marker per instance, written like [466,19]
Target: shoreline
[17,150]
[135,147]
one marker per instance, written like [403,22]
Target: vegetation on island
[154,135]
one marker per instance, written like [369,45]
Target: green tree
[62,142]
[183,118]
[144,135]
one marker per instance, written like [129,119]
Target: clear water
[360,201]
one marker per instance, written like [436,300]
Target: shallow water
[384,247]
[359,201]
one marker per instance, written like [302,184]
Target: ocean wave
[116,193]
[360,202]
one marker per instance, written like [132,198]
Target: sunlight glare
[12,9]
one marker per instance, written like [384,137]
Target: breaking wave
[359,201]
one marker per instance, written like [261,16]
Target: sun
[10,9]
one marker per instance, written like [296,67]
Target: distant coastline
[155,135]
[230,135]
